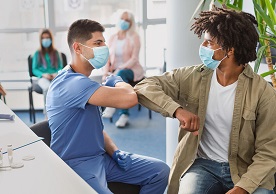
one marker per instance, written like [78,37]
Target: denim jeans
[127,75]
[209,177]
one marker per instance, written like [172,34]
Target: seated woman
[123,61]
[46,61]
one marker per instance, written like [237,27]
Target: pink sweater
[131,50]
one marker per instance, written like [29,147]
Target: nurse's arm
[109,145]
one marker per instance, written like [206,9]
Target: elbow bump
[131,102]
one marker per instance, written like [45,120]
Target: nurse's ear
[76,48]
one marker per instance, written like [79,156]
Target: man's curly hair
[232,29]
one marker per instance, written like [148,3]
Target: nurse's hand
[123,159]
[112,80]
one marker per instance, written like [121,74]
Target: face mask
[46,42]
[206,55]
[124,25]
[101,55]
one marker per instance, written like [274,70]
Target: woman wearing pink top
[124,47]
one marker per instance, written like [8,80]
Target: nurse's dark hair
[232,29]
[81,31]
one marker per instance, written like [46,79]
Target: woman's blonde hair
[132,28]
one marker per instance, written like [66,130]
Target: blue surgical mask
[46,42]
[124,25]
[206,55]
[101,55]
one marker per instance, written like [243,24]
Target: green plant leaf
[273,3]
[271,12]
[264,16]
[268,73]
[260,55]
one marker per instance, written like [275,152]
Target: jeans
[127,75]
[209,177]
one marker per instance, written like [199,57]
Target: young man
[73,108]
[229,109]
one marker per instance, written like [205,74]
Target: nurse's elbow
[131,101]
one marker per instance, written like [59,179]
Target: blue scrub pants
[150,173]
[127,75]
[209,177]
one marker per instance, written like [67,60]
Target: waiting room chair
[3,98]
[42,129]
[35,87]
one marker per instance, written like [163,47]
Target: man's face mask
[206,55]
[46,42]
[101,55]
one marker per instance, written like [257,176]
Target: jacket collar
[248,71]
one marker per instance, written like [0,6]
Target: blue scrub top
[76,126]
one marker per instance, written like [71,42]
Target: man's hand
[237,190]
[123,159]
[112,80]
[188,120]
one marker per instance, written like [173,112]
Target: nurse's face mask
[101,55]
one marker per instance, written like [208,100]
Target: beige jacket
[252,149]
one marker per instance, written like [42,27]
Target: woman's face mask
[124,25]
[46,42]
[206,55]
[101,55]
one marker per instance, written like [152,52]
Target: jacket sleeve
[134,59]
[161,93]
[263,166]
[35,65]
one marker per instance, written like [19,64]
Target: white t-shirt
[119,52]
[216,132]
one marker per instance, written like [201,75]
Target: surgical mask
[46,42]
[101,55]
[124,25]
[206,55]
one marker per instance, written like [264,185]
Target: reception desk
[45,174]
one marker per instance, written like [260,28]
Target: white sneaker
[109,112]
[122,121]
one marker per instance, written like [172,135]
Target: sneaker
[109,112]
[122,121]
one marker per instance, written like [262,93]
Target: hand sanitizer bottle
[10,154]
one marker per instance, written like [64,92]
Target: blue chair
[35,87]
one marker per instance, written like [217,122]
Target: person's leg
[44,84]
[263,191]
[93,172]
[204,177]
[127,75]
[150,173]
